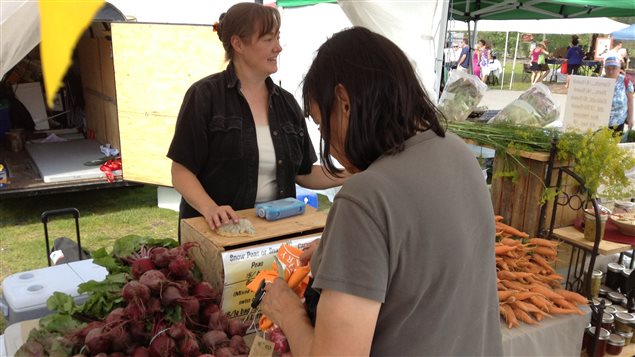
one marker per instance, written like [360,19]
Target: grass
[105,215]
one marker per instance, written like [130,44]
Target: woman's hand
[217,216]
[306,255]
[280,303]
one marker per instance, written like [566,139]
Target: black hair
[388,103]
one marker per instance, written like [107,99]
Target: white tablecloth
[560,335]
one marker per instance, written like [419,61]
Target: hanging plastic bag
[461,95]
[535,107]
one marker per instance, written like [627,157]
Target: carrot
[510,317]
[505,294]
[511,230]
[544,242]
[298,275]
[548,253]
[498,218]
[504,249]
[541,303]
[538,317]
[508,275]
[543,262]
[525,295]
[511,241]
[514,285]
[572,296]
[545,291]
[264,323]
[528,307]
[524,317]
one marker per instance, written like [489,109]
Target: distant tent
[625,34]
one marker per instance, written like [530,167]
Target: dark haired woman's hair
[575,42]
[388,103]
[244,20]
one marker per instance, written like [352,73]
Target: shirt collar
[233,82]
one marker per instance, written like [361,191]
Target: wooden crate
[229,263]
[518,199]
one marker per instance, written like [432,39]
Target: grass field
[105,215]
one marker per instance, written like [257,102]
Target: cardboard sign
[261,347]
[242,265]
[588,103]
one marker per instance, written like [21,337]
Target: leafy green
[173,314]
[104,296]
[61,323]
[599,161]
[62,303]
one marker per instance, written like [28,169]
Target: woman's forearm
[188,185]
[320,179]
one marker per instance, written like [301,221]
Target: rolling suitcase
[64,250]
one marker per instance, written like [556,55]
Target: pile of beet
[165,311]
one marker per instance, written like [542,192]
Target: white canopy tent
[19,31]
[601,25]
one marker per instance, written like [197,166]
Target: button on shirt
[215,138]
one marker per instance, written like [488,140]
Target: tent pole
[470,41]
[511,80]
[504,58]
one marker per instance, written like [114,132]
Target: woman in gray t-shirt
[406,262]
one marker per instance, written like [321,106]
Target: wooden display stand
[230,263]
[518,198]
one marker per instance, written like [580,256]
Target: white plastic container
[25,293]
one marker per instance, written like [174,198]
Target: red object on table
[613,234]
[563,67]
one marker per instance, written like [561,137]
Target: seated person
[495,67]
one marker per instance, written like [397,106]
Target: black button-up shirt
[215,138]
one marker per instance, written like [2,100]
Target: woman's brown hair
[244,20]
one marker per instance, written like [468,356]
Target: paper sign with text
[588,103]
[241,266]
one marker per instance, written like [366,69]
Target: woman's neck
[250,80]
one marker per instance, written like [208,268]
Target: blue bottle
[278,209]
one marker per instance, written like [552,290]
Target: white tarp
[19,31]
[417,27]
[602,25]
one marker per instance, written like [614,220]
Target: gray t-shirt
[415,231]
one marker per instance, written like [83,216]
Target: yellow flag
[61,24]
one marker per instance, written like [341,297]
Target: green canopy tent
[466,10]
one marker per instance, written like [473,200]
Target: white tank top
[267,185]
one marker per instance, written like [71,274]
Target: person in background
[476,60]
[495,67]
[239,138]
[485,57]
[386,263]
[464,57]
[622,104]
[537,61]
[574,57]
[613,52]
[624,59]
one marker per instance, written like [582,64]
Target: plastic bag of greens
[461,95]
[535,107]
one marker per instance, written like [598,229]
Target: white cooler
[25,293]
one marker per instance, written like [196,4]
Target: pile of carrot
[529,289]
